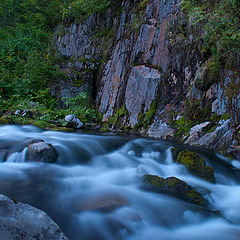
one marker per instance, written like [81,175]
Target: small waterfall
[18,156]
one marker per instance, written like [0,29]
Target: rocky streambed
[113,187]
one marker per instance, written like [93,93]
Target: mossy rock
[175,187]
[195,164]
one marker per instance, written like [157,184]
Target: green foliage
[80,9]
[28,62]
[220,21]
[41,13]
[225,116]
[121,112]
[27,54]
[150,114]
[81,107]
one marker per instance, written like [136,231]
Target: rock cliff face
[144,64]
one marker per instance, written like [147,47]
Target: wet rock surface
[195,164]
[104,203]
[141,90]
[41,152]
[173,186]
[21,221]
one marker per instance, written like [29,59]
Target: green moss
[154,181]
[120,113]
[196,197]
[212,129]
[225,116]
[41,124]
[183,126]
[173,186]
[150,114]
[214,117]
[196,165]
[144,120]
[172,182]
[143,4]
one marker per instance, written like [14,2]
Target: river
[92,169]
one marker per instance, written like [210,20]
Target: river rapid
[92,169]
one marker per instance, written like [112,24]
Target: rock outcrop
[149,62]
[21,221]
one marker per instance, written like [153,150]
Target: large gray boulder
[33,150]
[41,152]
[21,221]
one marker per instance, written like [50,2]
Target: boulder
[33,150]
[173,186]
[195,164]
[21,221]
[41,152]
[73,122]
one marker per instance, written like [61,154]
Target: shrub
[220,21]
[80,9]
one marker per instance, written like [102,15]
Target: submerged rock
[73,122]
[103,203]
[195,164]
[21,221]
[174,187]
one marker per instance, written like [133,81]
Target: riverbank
[219,138]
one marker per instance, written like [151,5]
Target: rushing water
[92,167]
